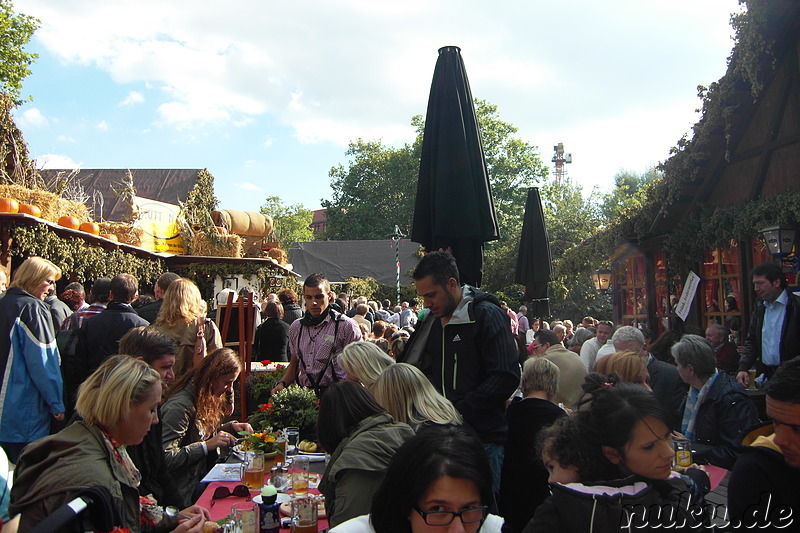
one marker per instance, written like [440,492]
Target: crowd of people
[450,408]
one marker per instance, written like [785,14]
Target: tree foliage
[374,193]
[291,223]
[16,30]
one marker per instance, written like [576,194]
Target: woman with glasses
[32,389]
[439,481]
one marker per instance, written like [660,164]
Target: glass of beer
[292,440]
[246,517]
[300,476]
[253,475]
[304,514]
[752,373]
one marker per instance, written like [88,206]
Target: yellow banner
[158,220]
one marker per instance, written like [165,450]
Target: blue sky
[267,94]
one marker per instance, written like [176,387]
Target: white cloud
[133,98]
[65,139]
[56,161]
[269,142]
[102,125]
[248,186]
[33,117]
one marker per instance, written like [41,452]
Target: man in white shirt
[590,348]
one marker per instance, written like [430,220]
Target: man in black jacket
[150,311]
[465,348]
[159,351]
[99,335]
[774,333]
[717,411]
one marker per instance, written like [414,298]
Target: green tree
[291,222]
[626,195]
[374,193]
[16,30]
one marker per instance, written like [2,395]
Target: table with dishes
[293,489]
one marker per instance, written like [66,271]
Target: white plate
[313,457]
[281,498]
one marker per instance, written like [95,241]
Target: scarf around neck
[309,320]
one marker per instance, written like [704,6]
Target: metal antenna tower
[560,159]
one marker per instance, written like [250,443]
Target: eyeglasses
[240,491]
[445,518]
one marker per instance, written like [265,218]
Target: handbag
[200,343]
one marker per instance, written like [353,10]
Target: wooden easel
[245,308]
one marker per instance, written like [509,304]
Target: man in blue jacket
[465,348]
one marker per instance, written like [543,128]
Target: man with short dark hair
[465,348]
[384,312]
[408,316]
[150,311]
[764,483]
[774,333]
[317,339]
[665,381]
[717,409]
[98,336]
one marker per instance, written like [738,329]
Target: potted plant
[292,406]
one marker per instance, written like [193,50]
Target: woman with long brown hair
[195,406]
[181,316]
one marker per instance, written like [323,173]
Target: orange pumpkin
[9,205]
[32,210]
[222,230]
[110,237]
[90,227]
[69,222]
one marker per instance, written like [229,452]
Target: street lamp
[602,279]
[779,240]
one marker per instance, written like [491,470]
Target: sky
[267,94]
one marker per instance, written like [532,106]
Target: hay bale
[242,222]
[125,232]
[53,206]
[220,246]
[278,255]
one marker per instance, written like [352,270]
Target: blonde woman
[192,413]
[405,392]
[31,394]
[118,403]
[363,361]
[180,317]
[630,366]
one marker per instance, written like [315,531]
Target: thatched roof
[168,185]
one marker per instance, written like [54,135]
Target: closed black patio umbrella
[454,208]
[534,265]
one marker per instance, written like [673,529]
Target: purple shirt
[315,344]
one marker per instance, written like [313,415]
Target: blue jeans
[496,453]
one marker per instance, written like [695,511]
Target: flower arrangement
[292,406]
[264,441]
[260,384]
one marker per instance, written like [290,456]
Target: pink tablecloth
[222,508]
[715,475]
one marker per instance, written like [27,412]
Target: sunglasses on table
[240,491]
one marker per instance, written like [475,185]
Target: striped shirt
[315,344]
